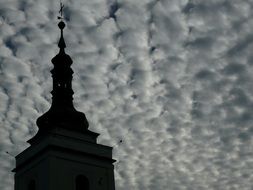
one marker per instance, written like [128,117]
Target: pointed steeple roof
[62,113]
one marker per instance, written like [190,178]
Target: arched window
[82,183]
[32,185]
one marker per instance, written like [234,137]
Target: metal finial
[61,43]
[61,25]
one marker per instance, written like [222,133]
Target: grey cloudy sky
[171,78]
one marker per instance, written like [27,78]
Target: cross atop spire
[61,25]
[61,11]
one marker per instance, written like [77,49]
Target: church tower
[64,154]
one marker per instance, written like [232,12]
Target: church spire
[64,154]
[62,113]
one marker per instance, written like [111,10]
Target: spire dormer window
[31,185]
[82,183]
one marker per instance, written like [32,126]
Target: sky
[171,79]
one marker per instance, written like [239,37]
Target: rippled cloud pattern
[167,83]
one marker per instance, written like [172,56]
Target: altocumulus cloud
[168,83]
